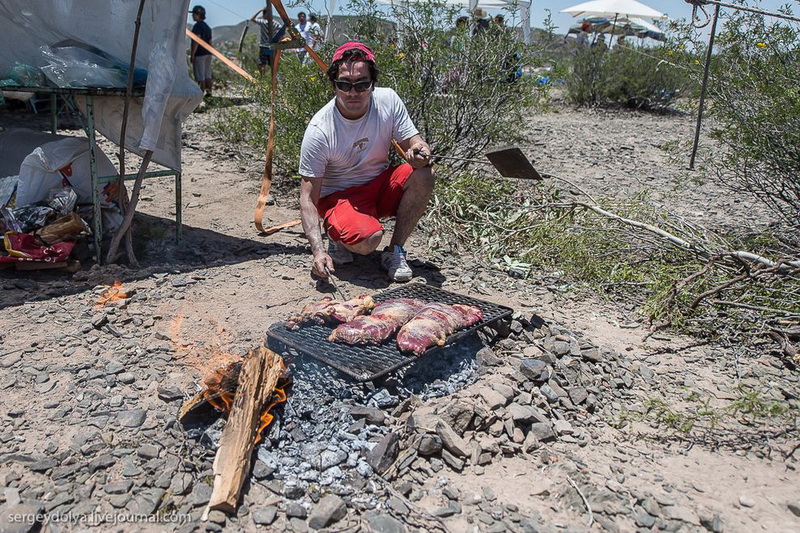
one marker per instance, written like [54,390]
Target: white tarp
[154,122]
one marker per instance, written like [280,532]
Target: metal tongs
[335,286]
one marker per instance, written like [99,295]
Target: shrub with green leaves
[756,103]
[459,89]
[632,76]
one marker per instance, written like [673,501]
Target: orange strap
[266,181]
[216,53]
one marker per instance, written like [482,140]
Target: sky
[231,12]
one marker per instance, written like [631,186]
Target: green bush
[756,103]
[632,76]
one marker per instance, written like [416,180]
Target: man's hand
[419,154]
[322,265]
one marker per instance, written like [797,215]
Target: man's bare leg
[417,193]
[368,245]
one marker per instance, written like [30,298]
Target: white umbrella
[614,8]
[625,26]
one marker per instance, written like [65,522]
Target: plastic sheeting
[154,122]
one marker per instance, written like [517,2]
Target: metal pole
[704,87]
[613,29]
[97,214]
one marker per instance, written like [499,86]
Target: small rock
[328,458]
[644,520]
[745,501]
[534,370]
[549,393]
[494,400]
[486,357]
[384,453]
[265,516]
[542,431]
[169,393]
[329,510]
[578,395]
[429,444]
[296,510]
[372,415]
[451,441]
[132,419]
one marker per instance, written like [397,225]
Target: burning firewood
[113,294]
[247,390]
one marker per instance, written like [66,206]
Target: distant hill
[230,34]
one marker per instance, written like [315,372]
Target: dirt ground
[218,292]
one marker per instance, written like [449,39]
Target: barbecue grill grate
[365,363]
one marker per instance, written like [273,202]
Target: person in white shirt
[347,182]
[314,32]
[304,28]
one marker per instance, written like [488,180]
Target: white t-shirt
[314,36]
[305,31]
[348,153]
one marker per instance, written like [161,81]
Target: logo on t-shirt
[361,144]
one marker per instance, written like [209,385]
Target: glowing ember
[114,293]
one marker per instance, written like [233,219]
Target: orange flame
[112,294]
[217,393]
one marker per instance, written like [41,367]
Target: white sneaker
[394,262]
[339,254]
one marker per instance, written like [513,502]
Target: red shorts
[353,215]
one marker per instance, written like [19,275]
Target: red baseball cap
[366,52]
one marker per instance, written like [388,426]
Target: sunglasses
[346,86]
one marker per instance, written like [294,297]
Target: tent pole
[525,14]
[613,29]
[329,27]
[704,87]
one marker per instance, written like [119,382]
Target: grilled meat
[385,320]
[330,311]
[432,325]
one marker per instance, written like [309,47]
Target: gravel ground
[537,425]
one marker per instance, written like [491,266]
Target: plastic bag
[27,218]
[63,201]
[65,228]
[76,64]
[26,75]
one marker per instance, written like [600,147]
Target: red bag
[23,247]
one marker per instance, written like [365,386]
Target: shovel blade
[512,163]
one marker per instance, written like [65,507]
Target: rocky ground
[560,420]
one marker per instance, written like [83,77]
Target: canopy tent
[154,121]
[634,27]
[470,5]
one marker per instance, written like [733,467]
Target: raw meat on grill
[432,325]
[330,311]
[385,320]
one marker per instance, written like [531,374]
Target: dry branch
[257,379]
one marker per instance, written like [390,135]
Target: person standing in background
[304,27]
[271,32]
[583,37]
[314,32]
[200,57]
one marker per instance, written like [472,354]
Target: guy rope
[293,41]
